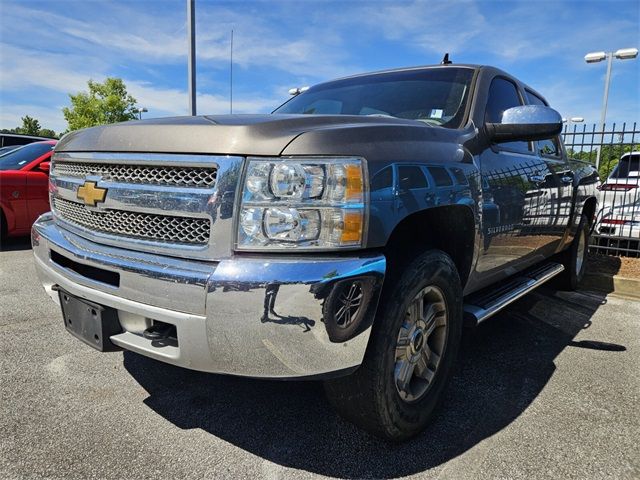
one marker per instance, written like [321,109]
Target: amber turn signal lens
[354,190]
[352,229]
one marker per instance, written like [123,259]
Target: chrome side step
[487,303]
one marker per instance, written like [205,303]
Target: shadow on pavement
[15,243]
[507,362]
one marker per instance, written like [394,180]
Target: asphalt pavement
[549,388]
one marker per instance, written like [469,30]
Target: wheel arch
[450,228]
[589,209]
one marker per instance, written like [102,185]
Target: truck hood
[267,134]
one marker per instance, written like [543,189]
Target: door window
[381,180]
[411,178]
[440,176]
[503,95]
[551,146]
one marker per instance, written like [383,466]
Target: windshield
[437,96]
[7,149]
[21,156]
[628,167]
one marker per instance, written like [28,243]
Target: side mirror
[526,123]
[44,167]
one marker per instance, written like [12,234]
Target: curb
[627,287]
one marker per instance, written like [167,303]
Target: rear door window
[550,147]
[440,176]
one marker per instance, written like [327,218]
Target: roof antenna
[445,60]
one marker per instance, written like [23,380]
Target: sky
[50,49]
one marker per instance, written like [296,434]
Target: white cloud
[60,72]
[149,36]
[65,74]
[299,42]
[122,30]
[49,117]
[173,101]
[518,31]
[433,26]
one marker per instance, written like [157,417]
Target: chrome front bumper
[219,308]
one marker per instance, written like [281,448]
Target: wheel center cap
[417,341]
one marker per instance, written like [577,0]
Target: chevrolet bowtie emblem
[91,194]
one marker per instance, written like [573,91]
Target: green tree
[107,102]
[30,126]
[609,157]
[47,132]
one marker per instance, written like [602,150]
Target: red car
[24,192]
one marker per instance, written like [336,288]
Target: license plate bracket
[90,322]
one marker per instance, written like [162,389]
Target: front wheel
[411,354]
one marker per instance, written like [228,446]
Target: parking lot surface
[549,388]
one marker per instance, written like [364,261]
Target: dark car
[17,139]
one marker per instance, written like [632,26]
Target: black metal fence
[615,150]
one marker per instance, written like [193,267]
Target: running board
[488,302]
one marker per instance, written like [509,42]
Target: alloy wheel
[420,344]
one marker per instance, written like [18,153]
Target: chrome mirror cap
[525,123]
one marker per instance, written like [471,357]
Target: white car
[620,199]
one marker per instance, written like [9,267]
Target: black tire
[574,258]
[370,397]
[3,228]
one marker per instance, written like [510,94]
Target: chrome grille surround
[134,224]
[176,220]
[200,177]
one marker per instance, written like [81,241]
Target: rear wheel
[574,258]
[411,353]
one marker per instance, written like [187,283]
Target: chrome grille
[161,228]
[201,177]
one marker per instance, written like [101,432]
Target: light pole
[595,57]
[571,120]
[191,37]
[140,111]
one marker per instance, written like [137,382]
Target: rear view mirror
[44,167]
[526,123]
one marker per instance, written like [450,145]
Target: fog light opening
[345,308]
[349,304]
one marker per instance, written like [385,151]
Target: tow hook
[160,331]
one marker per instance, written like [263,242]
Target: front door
[512,179]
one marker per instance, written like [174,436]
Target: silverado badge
[91,194]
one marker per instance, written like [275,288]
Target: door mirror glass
[526,123]
[44,167]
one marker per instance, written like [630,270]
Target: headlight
[302,203]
